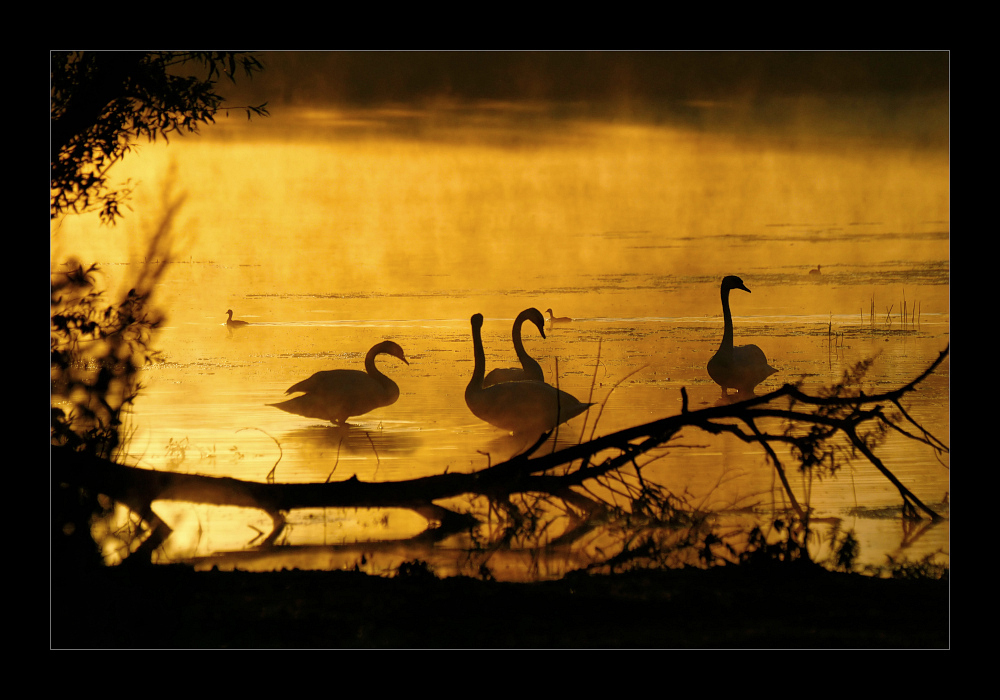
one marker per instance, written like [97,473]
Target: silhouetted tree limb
[103,102]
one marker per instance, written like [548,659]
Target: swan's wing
[525,406]
[338,394]
[749,356]
[503,375]
[331,380]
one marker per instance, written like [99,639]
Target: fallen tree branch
[833,414]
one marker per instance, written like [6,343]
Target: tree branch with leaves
[104,102]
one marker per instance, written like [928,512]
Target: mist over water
[332,228]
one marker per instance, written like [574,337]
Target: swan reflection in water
[233,323]
[741,368]
[557,319]
[335,395]
[318,442]
[527,408]
[529,370]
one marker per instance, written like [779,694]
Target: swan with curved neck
[557,319]
[232,323]
[337,394]
[521,408]
[530,370]
[743,367]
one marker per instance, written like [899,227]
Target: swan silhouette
[741,368]
[557,319]
[529,370]
[522,408]
[232,323]
[816,271]
[337,394]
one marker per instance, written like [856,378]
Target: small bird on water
[233,323]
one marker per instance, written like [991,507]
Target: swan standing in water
[337,394]
[522,408]
[232,323]
[529,370]
[557,319]
[741,368]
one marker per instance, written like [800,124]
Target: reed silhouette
[336,395]
[742,367]
[529,370]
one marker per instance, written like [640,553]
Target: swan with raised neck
[742,367]
[529,370]
[522,408]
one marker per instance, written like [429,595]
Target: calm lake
[330,231]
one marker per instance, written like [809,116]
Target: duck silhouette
[337,394]
[233,323]
[529,369]
[557,319]
[741,368]
[816,271]
[527,408]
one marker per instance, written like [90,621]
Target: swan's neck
[370,367]
[518,343]
[727,331]
[479,370]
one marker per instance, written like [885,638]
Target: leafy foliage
[925,568]
[814,445]
[96,352]
[790,546]
[103,102]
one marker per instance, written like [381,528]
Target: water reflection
[630,228]
[324,443]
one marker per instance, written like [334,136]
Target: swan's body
[529,370]
[741,368]
[232,323]
[337,394]
[816,271]
[523,408]
[557,319]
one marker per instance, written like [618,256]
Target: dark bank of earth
[168,607]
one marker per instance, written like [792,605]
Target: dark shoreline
[725,607]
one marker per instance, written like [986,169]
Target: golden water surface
[329,232]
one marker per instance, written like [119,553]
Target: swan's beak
[743,287]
